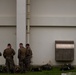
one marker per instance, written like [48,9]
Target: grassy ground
[54,71]
[36,73]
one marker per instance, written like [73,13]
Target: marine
[28,56]
[9,55]
[21,57]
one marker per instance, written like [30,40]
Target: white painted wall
[7,35]
[53,7]
[53,12]
[7,19]
[43,13]
[42,40]
[8,12]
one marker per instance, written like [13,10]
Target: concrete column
[21,22]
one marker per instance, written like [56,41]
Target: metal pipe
[28,22]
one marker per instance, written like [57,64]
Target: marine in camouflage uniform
[28,56]
[8,55]
[21,57]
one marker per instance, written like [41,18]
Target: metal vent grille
[64,51]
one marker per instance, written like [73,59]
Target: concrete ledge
[53,21]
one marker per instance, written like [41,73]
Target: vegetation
[53,71]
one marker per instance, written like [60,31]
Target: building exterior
[49,20]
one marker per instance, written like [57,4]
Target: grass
[54,71]
[36,73]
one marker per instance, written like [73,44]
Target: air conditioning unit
[64,51]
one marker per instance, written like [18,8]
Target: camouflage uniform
[21,56]
[8,55]
[28,57]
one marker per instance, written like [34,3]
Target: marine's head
[21,45]
[8,45]
[27,45]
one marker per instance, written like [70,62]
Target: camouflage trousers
[22,64]
[27,62]
[10,64]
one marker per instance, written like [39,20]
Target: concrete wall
[42,41]
[7,25]
[43,13]
[7,12]
[53,12]
[7,35]
[51,20]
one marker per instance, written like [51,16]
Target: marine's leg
[27,64]
[12,66]
[21,66]
[7,65]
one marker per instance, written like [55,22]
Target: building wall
[7,35]
[53,12]
[43,39]
[51,20]
[7,25]
[7,12]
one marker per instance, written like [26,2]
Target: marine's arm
[4,54]
[13,51]
[19,53]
